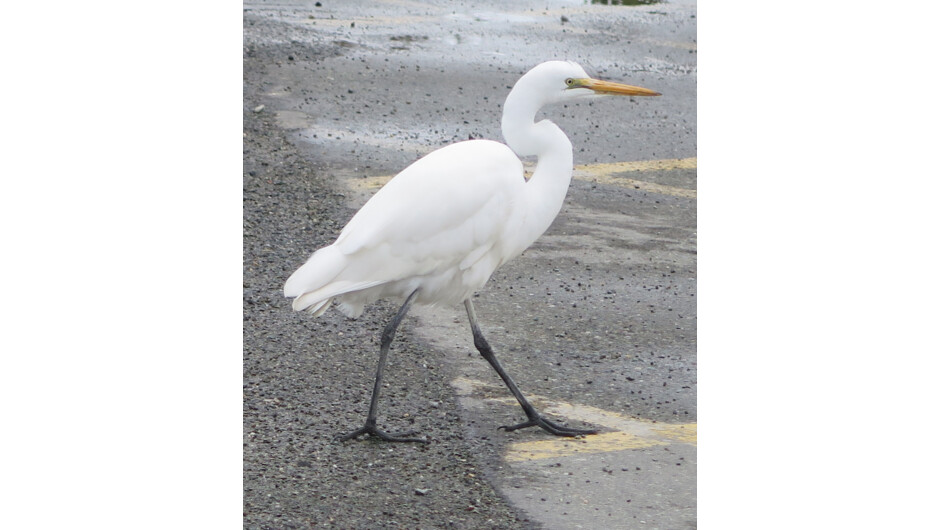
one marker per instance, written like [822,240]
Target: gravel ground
[305,380]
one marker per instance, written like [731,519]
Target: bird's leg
[370,427]
[535,419]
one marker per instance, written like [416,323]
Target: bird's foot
[371,429]
[550,426]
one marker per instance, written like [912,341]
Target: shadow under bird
[436,232]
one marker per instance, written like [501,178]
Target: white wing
[437,225]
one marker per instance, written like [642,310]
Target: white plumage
[437,230]
[443,224]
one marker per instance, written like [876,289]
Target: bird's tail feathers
[318,301]
[319,270]
[317,308]
[305,286]
[314,285]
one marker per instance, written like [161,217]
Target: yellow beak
[608,87]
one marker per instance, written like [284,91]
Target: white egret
[436,232]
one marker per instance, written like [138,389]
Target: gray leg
[534,417]
[387,335]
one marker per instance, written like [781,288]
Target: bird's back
[443,225]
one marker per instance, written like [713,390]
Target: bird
[436,232]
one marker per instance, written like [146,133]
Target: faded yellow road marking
[614,174]
[681,432]
[641,165]
[605,442]
[369,183]
[629,433]
[603,173]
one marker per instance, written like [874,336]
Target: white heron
[436,232]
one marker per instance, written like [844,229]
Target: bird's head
[560,81]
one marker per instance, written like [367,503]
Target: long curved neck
[546,189]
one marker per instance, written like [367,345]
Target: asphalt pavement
[596,322]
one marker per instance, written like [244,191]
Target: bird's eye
[569,81]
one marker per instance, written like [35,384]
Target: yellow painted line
[603,173]
[615,174]
[640,165]
[369,183]
[642,185]
[606,442]
[628,433]
[682,432]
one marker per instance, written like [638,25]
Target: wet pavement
[597,321]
